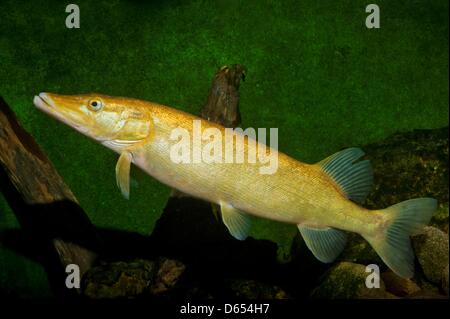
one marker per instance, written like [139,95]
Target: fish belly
[296,193]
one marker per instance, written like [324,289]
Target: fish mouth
[44,103]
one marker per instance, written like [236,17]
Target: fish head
[115,122]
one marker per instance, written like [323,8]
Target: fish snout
[43,101]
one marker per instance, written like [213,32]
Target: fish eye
[95,104]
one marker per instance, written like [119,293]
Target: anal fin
[325,243]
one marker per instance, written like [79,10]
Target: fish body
[298,192]
[321,199]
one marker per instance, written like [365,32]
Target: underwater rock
[444,280]
[252,289]
[167,276]
[440,218]
[196,292]
[426,294]
[409,165]
[347,281]
[399,286]
[359,251]
[431,248]
[118,279]
[131,279]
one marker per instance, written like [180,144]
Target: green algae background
[314,71]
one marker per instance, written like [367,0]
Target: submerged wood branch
[222,106]
[43,204]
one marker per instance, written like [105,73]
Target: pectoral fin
[237,222]
[123,173]
[325,243]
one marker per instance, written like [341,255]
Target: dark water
[314,71]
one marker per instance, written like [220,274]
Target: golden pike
[321,199]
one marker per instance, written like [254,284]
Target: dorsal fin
[355,178]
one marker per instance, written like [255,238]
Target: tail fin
[394,245]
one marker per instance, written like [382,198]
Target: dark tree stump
[191,229]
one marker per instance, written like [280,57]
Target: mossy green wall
[314,71]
